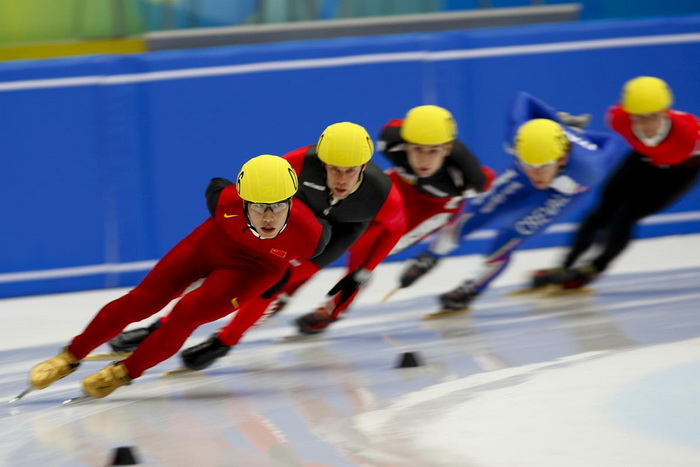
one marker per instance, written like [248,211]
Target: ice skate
[315,322]
[127,341]
[105,381]
[47,372]
[177,372]
[561,291]
[277,305]
[542,280]
[576,278]
[574,281]
[455,302]
[204,354]
[417,268]
[93,357]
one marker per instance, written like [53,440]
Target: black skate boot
[459,298]
[127,341]
[546,277]
[577,278]
[204,354]
[417,268]
[315,322]
[455,301]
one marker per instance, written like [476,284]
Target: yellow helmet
[540,141]
[266,179]
[429,124]
[345,144]
[646,95]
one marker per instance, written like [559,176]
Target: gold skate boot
[47,372]
[105,381]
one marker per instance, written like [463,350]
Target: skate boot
[46,373]
[127,341]
[579,277]
[417,268]
[105,381]
[546,277]
[459,298]
[204,354]
[277,305]
[315,322]
[455,302]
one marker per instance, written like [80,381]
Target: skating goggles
[274,207]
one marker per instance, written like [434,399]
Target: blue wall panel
[106,158]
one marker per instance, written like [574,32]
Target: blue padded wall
[106,158]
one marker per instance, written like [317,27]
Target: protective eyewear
[274,207]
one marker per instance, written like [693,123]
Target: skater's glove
[350,284]
[577,122]
[202,355]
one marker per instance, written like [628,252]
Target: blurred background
[115,114]
[30,21]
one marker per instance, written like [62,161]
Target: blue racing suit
[524,210]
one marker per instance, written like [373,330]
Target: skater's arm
[213,192]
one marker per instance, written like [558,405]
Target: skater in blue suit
[556,163]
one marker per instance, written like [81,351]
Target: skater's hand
[350,284]
[577,122]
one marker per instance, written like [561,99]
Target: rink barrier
[108,156]
[470,246]
[366,59]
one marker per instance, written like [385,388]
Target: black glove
[350,284]
[200,356]
[577,122]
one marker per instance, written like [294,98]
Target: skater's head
[647,99]
[542,148]
[429,132]
[344,148]
[266,184]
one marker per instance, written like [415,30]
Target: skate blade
[78,400]
[446,313]
[106,356]
[530,290]
[176,372]
[559,292]
[390,294]
[298,338]
[20,395]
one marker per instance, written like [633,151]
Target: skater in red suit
[341,185]
[662,166]
[433,171]
[435,174]
[241,251]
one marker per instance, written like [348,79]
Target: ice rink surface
[608,378]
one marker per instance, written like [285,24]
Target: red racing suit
[375,202]
[236,264]
[429,203]
[656,173]
[425,205]
[681,145]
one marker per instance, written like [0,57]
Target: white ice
[611,380]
